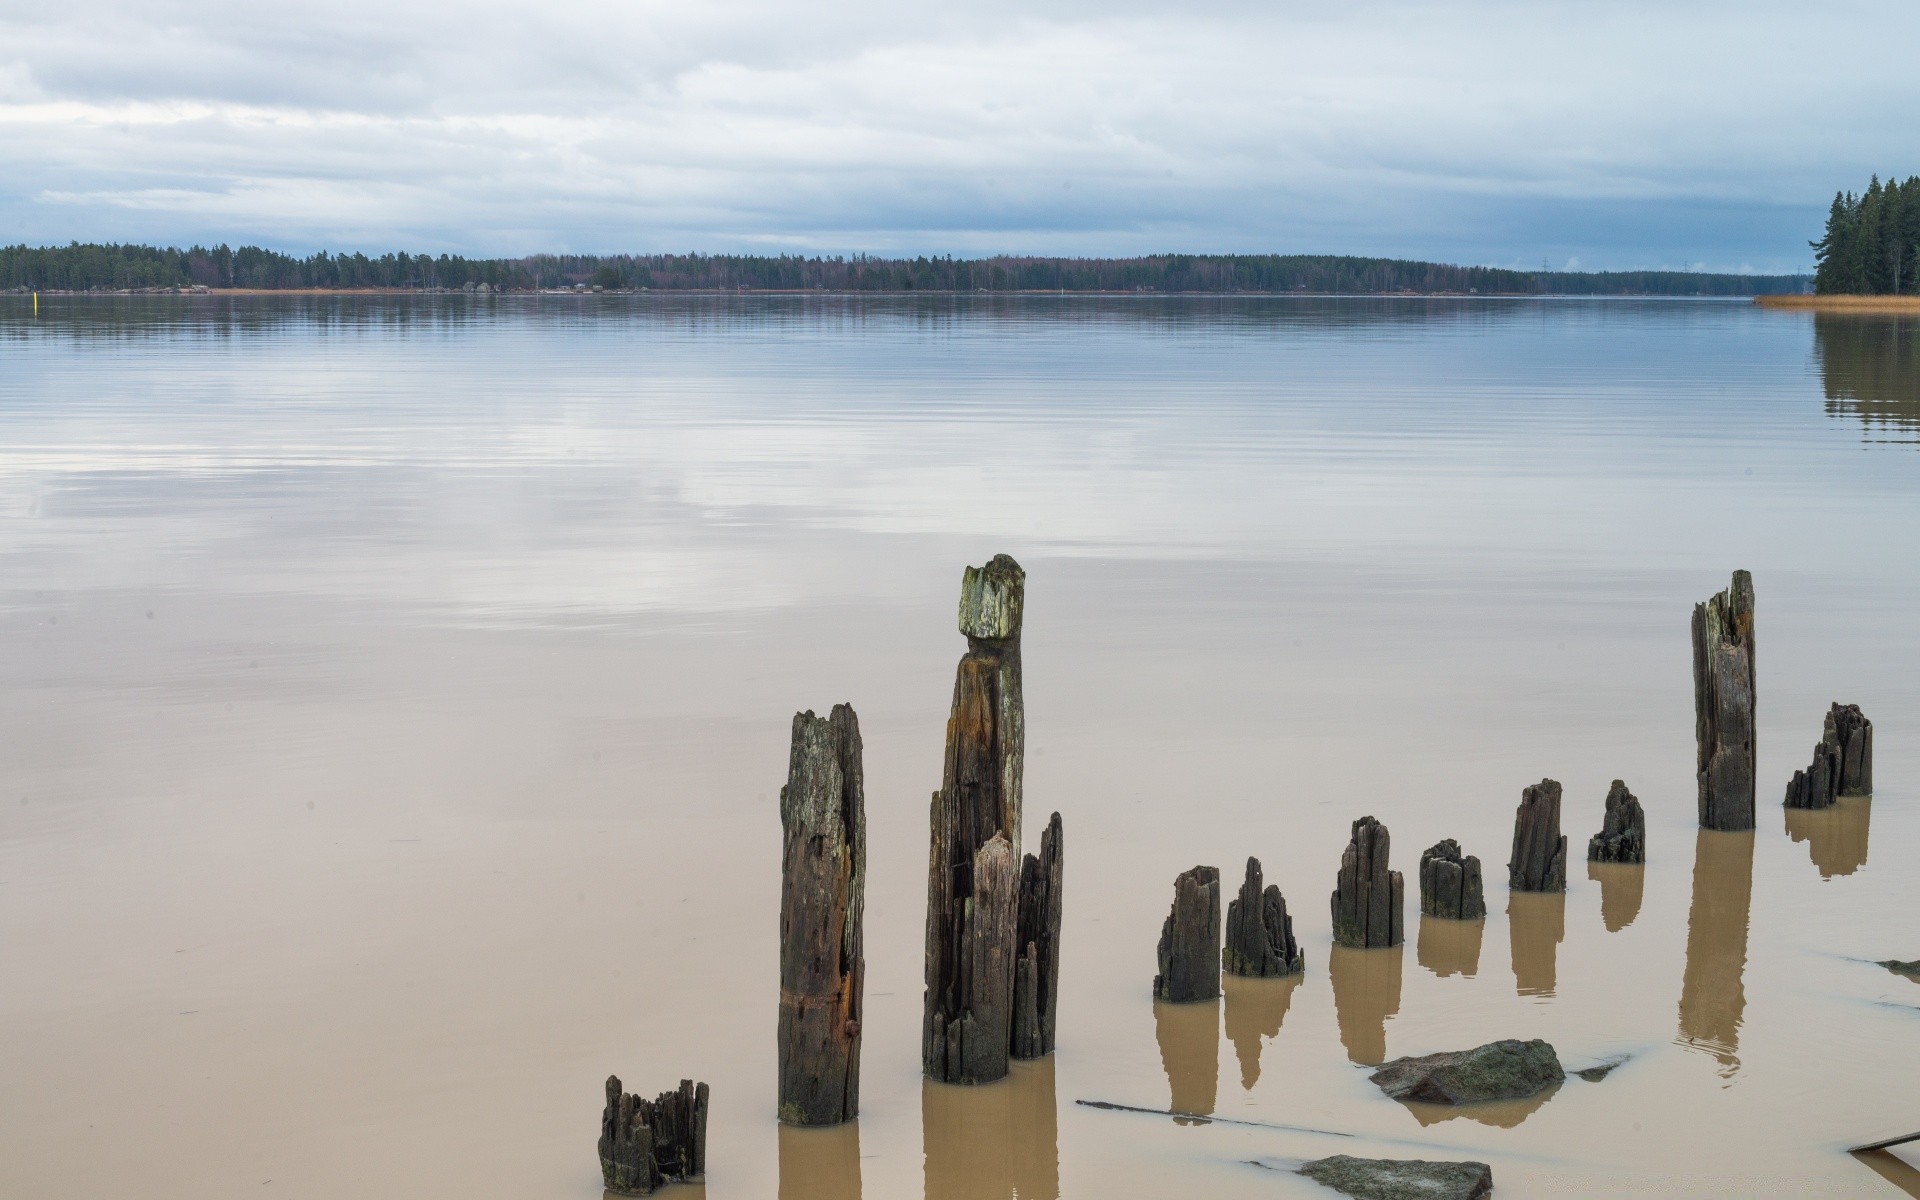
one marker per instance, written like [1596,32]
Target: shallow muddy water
[395,699]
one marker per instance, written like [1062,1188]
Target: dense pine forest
[1872,244]
[82,268]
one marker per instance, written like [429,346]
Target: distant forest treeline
[81,268]
[1872,244]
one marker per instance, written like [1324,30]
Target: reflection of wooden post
[823,883]
[1189,952]
[646,1143]
[1260,939]
[974,862]
[1539,861]
[992,1141]
[1450,883]
[1366,995]
[1255,1009]
[1536,925]
[1713,994]
[1623,831]
[1036,977]
[1369,901]
[1723,705]
[820,1164]
[1621,887]
[1189,1038]
[1450,947]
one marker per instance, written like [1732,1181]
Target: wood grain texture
[1623,831]
[1369,899]
[1723,706]
[1450,884]
[645,1144]
[1036,978]
[1259,935]
[1189,951]
[1539,860]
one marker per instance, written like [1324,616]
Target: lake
[396,698]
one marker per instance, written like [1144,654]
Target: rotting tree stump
[1036,974]
[1539,861]
[1369,900]
[1851,730]
[1259,938]
[647,1143]
[973,871]
[822,902]
[1723,706]
[1189,951]
[1450,884]
[1623,831]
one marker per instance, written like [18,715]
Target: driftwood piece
[1189,952]
[1850,729]
[1259,940]
[1539,862]
[1723,705]
[973,873]
[1623,831]
[1036,974]
[1369,901]
[822,902]
[1450,883]
[647,1143]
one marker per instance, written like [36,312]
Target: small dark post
[1819,785]
[1623,832]
[973,874]
[1190,939]
[1036,975]
[1851,730]
[1723,705]
[1259,931]
[1539,862]
[1450,883]
[647,1143]
[1369,901]
[822,903]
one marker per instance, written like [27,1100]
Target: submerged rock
[1909,969]
[1401,1178]
[1600,1070]
[1503,1070]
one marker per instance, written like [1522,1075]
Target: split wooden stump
[647,1143]
[1369,901]
[978,888]
[1623,831]
[1723,706]
[1260,940]
[1189,952]
[1450,885]
[822,903]
[1842,761]
[1539,862]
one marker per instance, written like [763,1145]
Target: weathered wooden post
[823,818]
[1450,883]
[1623,831]
[647,1143]
[973,872]
[1189,952]
[1260,939]
[1723,705]
[1036,974]
[1818,786]
[1854,734]
[1369,901]
[1539,861]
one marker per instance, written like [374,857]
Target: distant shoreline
[1857,304]
[191,293]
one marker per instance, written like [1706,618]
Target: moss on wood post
[645,1144]
[822,903]
[1723,706]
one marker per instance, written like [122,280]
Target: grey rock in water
[1539,861]
[1450,883]
[1189,952]
[1623,832]
[1369,901]
[1260,941]
[1401,1178]
[1503,1070]
[645,1144]
[1723,706]
[1910,969]
[1600,1070]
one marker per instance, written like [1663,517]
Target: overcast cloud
[1601,135]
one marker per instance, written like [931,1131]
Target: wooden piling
[1450,884]
[1189,951]
[1369,901]
[822,905]
[645,1144]
[1539,861]
[1623,831]
[1259,938]
[1036,974]
[1723,706]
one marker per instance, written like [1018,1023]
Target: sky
[1598,135]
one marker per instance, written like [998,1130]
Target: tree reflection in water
[1870,369]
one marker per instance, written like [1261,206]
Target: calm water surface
[395,699]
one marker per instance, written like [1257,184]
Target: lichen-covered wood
[647,1143]
[822,903]
[1539,861]
[1853,733]
[1623,831]
[1189,952]
[1259,940]
[1369,900]
[1723,706]
[1450,883]
[973,873]
[1036,973]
